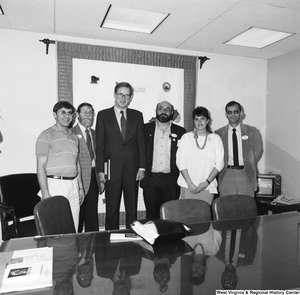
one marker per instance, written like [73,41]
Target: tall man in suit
[239,175]
[120,143]
[160,182]
[87,143]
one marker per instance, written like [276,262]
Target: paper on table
[124,237]
[28,269]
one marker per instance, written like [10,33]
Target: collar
[117,111]
[82,128]
[55,128]
[169,127]
[238,127]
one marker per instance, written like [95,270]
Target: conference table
[260,253]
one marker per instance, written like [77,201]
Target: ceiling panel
[195,25]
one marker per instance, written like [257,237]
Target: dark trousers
[88,215]
[113,194]
[160,189]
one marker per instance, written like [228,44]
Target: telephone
[286,199]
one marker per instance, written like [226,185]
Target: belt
[161,174]
[61,177]
[235,167]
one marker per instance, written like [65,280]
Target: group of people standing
[80,162]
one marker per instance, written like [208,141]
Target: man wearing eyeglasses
[87,157]
[58,168]
[160,182]
[242,151]
[120,150]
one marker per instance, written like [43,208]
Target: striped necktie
[89,143]
[123,125]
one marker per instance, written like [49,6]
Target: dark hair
[202,111]
[84,104]
[126,85]
[63,104]
[232,103]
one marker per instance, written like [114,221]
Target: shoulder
[132,112]
[249,129]
[46,133]
[74,136]
[187,136]
[215,137]
[221,130]
[75,129]
[178,129]
[106,111]
[148,126]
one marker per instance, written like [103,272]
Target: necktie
[89,143]
[235,148]
[123,125]
[232,245]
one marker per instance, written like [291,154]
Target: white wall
[28,87]
[283,123]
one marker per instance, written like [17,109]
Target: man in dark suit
[239,175]
[87,143]
[160,182]
[120,146]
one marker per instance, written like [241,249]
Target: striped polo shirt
[61,149]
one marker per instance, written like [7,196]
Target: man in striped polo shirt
[58,168]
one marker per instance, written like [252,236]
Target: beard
[164,118]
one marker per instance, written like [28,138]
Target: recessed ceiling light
[258,38]
[127,19]
[1,11]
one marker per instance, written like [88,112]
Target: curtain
[67,51]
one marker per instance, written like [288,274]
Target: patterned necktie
[235,148]
[123,125]
[89,143]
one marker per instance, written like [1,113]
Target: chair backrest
[53,216]
[233,207]
[19,191]
[186,211]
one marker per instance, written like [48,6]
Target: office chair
[233,207]
[53,216]
[186,211]
[18,196]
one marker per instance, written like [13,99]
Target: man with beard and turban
[160,181]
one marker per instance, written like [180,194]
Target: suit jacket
[252,151]
[149,131]
[127,155]
[84,157]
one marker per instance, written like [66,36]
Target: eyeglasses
[88,113]
[122,96]
[166,110]
[64,113]
[233,112]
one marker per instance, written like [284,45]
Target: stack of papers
[28,269]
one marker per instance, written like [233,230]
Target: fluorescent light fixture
[258,38]
[127,19]
[1,11]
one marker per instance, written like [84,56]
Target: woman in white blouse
[200,158]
